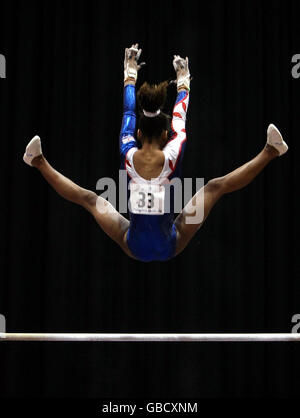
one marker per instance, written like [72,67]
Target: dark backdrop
[60,273]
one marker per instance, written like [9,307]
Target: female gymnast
[153,234]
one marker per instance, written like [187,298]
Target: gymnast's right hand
[181,66]
[131,65]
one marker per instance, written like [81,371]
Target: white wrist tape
[130,72]
[184,82]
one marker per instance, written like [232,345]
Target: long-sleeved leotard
[152,233]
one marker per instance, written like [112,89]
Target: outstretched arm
[131,67]
[181,67]
[175,147]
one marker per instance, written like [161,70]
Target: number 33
[142,201]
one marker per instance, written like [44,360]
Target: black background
[61,273]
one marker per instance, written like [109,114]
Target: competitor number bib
[147,199]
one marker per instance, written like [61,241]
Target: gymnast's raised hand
[131,65]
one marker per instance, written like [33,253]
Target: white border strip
[150,337]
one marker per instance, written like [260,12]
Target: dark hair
[152,98]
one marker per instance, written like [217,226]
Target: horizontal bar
[149,337]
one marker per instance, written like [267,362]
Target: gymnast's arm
[178,135]
[131,67]
[174,149]
[180,111]
[127,139]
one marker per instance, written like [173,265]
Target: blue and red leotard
[152,233]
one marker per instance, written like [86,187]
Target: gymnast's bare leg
[216,188]
[109,219]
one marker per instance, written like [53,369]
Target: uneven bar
[262,337]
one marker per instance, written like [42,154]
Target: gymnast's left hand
[131,65]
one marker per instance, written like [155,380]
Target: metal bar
[150,337]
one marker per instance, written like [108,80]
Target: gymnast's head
[153,124]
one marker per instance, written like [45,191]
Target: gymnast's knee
[89,199]
[216,186]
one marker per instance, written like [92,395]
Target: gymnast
[152,234]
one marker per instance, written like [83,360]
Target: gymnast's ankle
[272,151]
[38,161]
